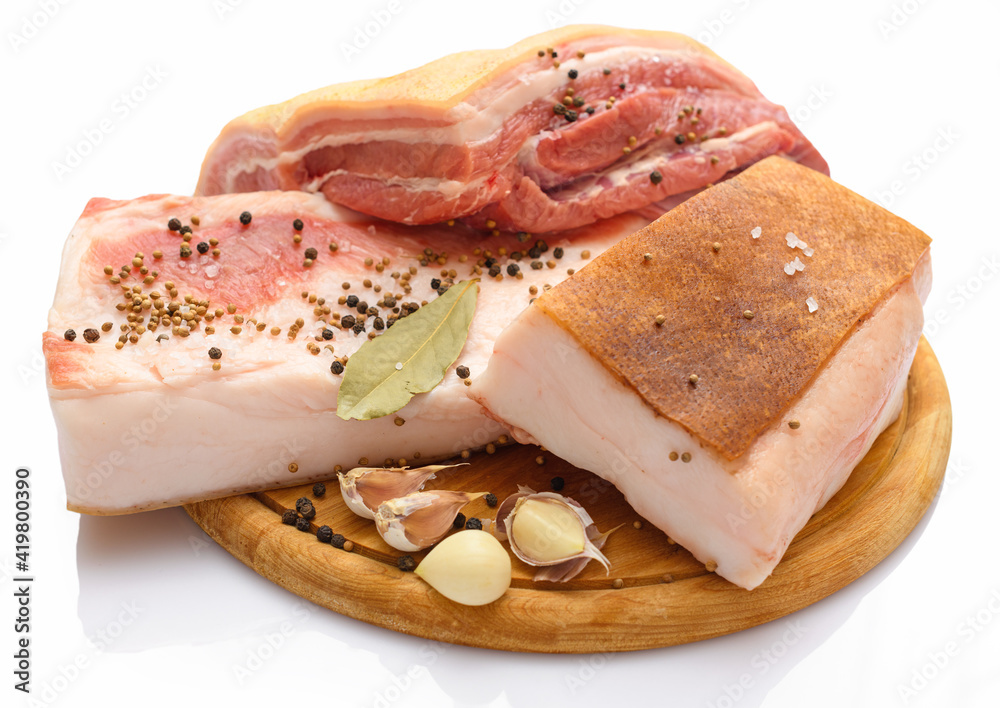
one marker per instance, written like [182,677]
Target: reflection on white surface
[178,590]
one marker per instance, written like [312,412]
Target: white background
[890,91]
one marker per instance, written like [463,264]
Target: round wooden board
[666,593]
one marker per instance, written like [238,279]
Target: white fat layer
[468,123]
[740,514]
[446,188]
[272,403]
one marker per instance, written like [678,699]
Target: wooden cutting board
[666,597]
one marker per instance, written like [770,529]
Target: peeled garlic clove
[419,520]
[552,532]
[364,488]
[470,568]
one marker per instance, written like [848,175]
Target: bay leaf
[424,343]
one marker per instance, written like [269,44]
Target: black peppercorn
[513,269]
[300,502]
[185,251]
[358,327]
[406,563]
[459,521]
[308,511]
[245,218]
[214,353]
[491,500]
[573,73]
[174,224]
[558,483]
[655,177]
[337,541]
[289,517]
[336,368]
[91,335]
[327,334]
[69,335]
[311,254]
[302,524]
[347,322]
[324,534]
[297,224]
[202,247]
[186,230]
[463,372]
[494,270]
[319,489]
[474,523]
[558,252]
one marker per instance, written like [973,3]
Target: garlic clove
[547,529]
[552,532]
[421,519]
[364,488]
[470,567]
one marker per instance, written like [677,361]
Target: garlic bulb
[470,568]
[419,520]
[552,532]
[364,488]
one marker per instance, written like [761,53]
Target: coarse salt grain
[812,304]
[794,266]
[755,232]
[808,251]
[399,365]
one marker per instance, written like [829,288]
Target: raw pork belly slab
[726,398]
[153,423]
[557,131]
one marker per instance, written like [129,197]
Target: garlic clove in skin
[552,532]
[421,519]
[364,488]
[470,567]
